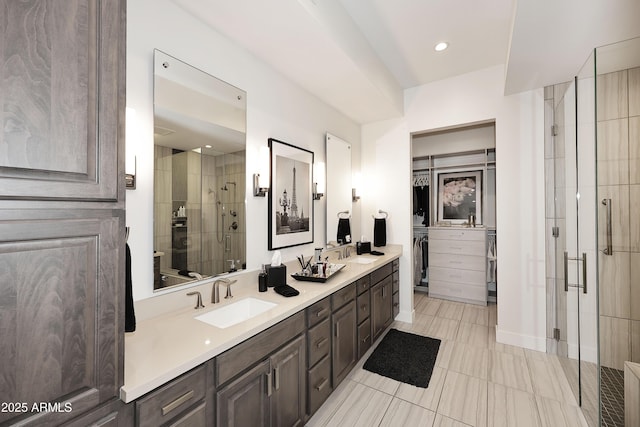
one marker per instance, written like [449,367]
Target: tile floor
[475,382]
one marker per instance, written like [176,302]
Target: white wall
[275,109]
[470,98]
[454,141]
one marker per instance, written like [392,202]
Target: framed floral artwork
[290,195]
[460,195]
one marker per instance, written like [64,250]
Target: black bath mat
[404,357]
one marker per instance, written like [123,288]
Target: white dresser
[458,264]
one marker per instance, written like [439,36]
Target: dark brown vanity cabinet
[363,303]
[319,385]
[262,381]
[395,279]
[62,228]
[381,300]
[344,333]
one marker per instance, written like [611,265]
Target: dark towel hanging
[379,232]
[130,316]
[344,231]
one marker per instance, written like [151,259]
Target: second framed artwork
[290,195]
[459,196]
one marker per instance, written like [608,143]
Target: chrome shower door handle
[609,249]
[583,260]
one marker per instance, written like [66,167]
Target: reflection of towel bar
[344,213]
[380,211]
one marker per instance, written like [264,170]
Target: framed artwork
[290,195]
[460,195]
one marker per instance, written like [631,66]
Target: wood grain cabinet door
[288,406]
[246,401]
[60,325]
[345,344]
[62,95]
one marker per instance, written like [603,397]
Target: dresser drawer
[318,311]
[364,337]
[457,275]
[458,247]
[364,306]
[319,342]
[319,384]
[363,284]
[170,400]
[343,296]
[465,262]
[456,234]
[458,291]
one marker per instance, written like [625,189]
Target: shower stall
[592,168]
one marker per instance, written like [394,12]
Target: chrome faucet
[215,292]
[199,303]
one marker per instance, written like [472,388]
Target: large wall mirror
[339,198]
[199,174]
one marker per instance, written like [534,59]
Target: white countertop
[170,344]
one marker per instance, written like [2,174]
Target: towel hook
[343,213]
[380,211]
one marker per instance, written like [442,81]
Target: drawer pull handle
[322,384]
[321,342]
[395,304]
[269,391]
[176,403]
[365,339]
[363,307]
[320,313]
[276,382]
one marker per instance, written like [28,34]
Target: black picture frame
[460,195]
[291,213]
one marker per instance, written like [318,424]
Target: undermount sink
[362,260]
[236,312]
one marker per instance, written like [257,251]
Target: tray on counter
[332,269]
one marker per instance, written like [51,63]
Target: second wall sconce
[318,180]
[259,190]
[354,195]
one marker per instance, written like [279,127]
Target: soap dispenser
[262,280]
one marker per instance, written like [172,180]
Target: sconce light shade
[258,190]
[354,195]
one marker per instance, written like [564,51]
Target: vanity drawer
[363,284]
[381,273]
[456,234]
[457,275]
[396,304]
[364,337]
[395,264]
[318,311]
[319,384]
[458,247]
[395,279]
[318,342]
[169,401]
[465,262]
[458,291]
[364,306]
[343,296]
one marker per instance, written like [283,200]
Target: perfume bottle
[262,280]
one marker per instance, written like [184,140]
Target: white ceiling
[359,55]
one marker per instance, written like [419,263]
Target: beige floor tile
[508,407]
[363,407]
[473,334]
[426,397]
[556,414]
[546,380]
[510,371]
[443,328]
[331,405]
[442,421]
[450,310]
[464,398]
[477,315]
[503,348]
[469,360]
[444,353]
[427,306]
[401,413]
[375,381]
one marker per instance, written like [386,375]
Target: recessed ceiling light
[441,46]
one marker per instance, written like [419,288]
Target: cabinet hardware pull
[321,342]
[336,329]
[320,313]
[365,339]
[363,307]
[269,384]
[395,304]
[276,382]
[322,384]
[176,403]
[383,291]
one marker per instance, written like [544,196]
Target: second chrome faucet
[215,291]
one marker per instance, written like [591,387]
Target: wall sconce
[355,185]
[318,180]
[354,195]
[259,188]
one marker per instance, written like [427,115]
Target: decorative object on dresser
[459,196]
[290,198]
[457,264]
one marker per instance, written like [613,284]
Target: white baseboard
[520,340]
[406,316]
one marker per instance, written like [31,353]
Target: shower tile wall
[618,130]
